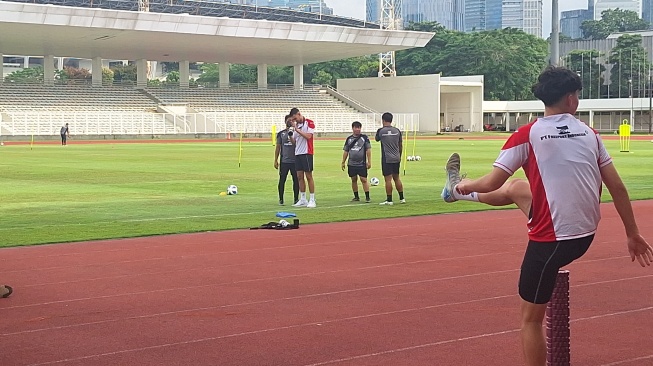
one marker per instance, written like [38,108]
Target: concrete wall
[402,94]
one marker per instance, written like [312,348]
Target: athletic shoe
[453,178]
[5,291]
[311,204]
[367,200]
[300,203]
[389,203]
[403,200]
[280,202]
[356,199]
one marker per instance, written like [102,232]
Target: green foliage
[28,75]
[586,64]
[243,74]
[210,74]
[107,75]
[124,73]
[327,73]
[509,59]
[612,21]
[126,190]
[281,75]
[72,73]
[629,74]
[172,77]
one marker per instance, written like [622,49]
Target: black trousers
[63,139]
[284,169]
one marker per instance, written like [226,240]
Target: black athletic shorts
[542,261]
[304,163]
[360,171]
[389,168]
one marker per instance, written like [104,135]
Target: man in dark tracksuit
[286,150]
[391,148]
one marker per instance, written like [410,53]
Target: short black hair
[386,117]
[356,124]
[286,117]
[554,83]
[294,111]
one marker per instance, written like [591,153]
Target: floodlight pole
[390,20]
[555,34]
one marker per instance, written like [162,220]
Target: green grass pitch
[54,194]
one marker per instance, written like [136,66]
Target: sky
[356,9]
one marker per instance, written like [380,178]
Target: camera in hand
[290,131]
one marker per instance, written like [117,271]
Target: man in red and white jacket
[302,137]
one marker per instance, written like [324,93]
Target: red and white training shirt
[561,157]
[302,145]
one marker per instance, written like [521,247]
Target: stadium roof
[36,29]
[214,8]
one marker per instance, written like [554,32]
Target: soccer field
[95,191]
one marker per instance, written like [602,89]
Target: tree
[243,74]
[585,63]
[280,75]
[172,77]
[28,75]
[509,59]
[327,73]
[630,67]
[124,73]
[107,76]
[210,74]
[612,21]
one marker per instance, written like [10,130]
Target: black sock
[367,195]
[389,198]
[355,194]
[401,195]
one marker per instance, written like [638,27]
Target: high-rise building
[494,14]
[570,22]
[313,6]
[449,13]
[497,14]
[647,11]
[532,17]
[602,5]
[373,10]
[475,15]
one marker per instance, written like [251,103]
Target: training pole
[240,149]
[414,138]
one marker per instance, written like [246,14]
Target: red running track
[436,290]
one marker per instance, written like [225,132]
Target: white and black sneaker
[453,178]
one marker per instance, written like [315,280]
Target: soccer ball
[232,189]
[410,158]
[374,181]
[418,158]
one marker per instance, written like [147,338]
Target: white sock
[313,197]
[302,196]
[465,197]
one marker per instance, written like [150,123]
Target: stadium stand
[216,9]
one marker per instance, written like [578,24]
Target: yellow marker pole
[274,135]
[405,148]
[624,136]
[414,139]
[31,144]
[240,149]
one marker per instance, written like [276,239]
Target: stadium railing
[103,123]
